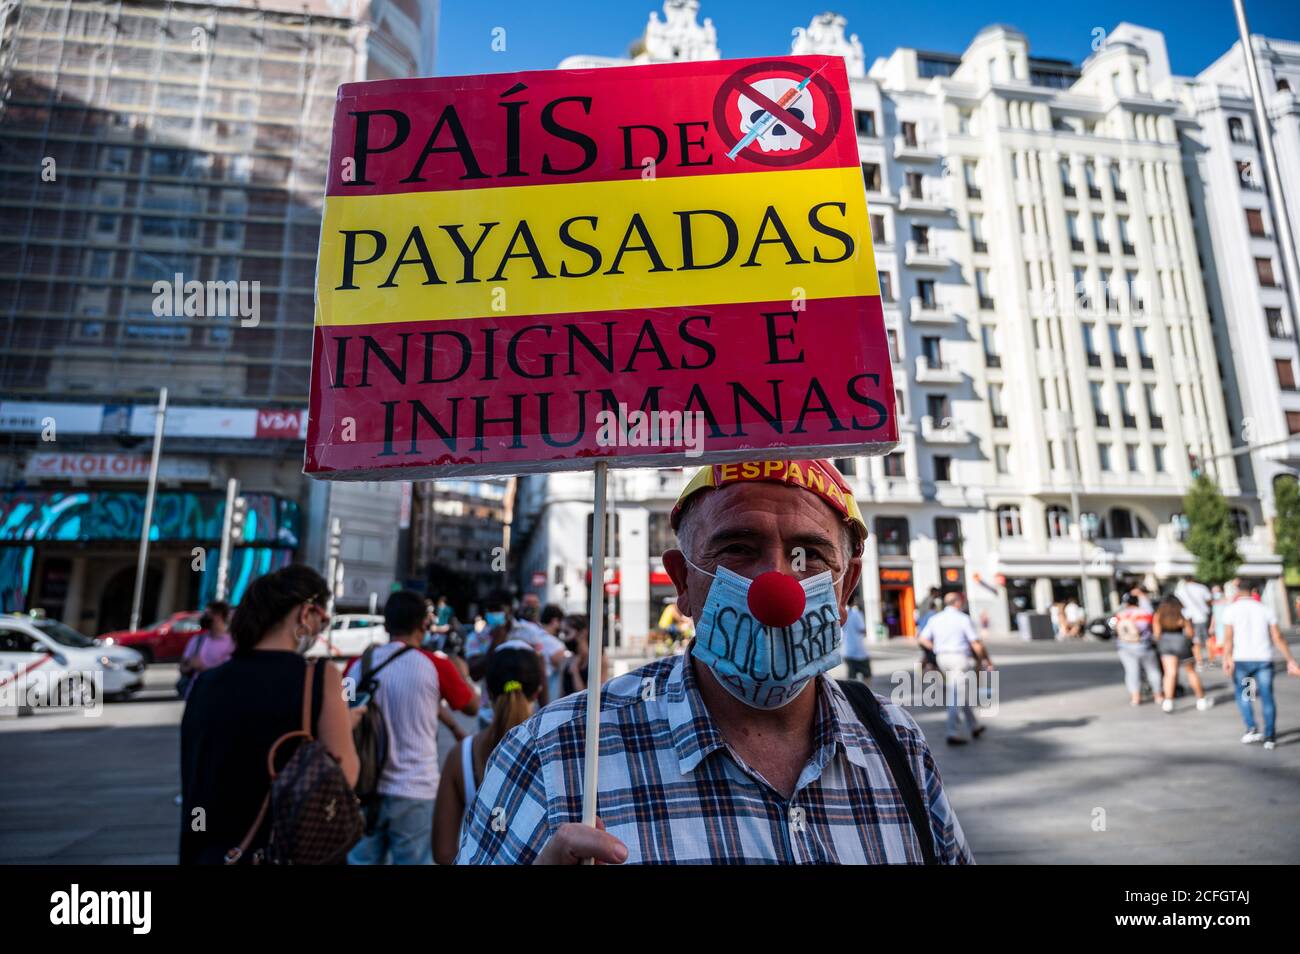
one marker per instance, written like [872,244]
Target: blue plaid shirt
[673,791]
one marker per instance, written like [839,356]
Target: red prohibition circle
[817,139]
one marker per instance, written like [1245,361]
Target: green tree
[1286,528]
[1211,537]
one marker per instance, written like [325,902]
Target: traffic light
[238,520]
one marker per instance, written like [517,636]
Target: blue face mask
[767,666]
[495,619]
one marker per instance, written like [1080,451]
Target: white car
[38,654]
[349,635]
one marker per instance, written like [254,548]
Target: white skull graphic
[777,136]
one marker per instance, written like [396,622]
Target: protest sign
[536,271]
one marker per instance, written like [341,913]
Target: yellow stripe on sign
[595,246]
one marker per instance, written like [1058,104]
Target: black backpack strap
[368,674]
[867,708]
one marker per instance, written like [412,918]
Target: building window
[1240,521]
[942,469]
[1293,422]
[878,229]
[1131,453]
[1153,406]
[992,353]
[995,406]
[1008,516]
[848,466]
[1236,129]
[871,173]
[1158,457]
[1090,345]
[1117,184]
[1276,327]
[1123,525]
[1072,227]
[1285,373]
[866,121]
[892,336]
[925,290]
[1264,269]
[900,404]
[983,289]
[895,465]
[939,409]
[971,179]
[891,536]
[1255,223]
[1067,183]
[1058,521]
[1099,233]
[886,287]
[1246,175]
[1002,456]
[947,534]
[977,233]
[1103,457]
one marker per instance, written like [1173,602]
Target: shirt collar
[696,736]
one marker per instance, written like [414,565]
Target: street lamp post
[142,559]
[1071,447]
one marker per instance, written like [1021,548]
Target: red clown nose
[776,599]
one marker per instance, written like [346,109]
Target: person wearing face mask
[237,711]
[742,750]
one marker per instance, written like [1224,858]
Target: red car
[164,641]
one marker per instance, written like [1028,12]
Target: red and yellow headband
[818,477]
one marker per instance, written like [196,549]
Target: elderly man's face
[757,526]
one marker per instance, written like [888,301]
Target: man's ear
[852,576]
[678,572]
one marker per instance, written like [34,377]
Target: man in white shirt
[856,655]
[545,638]
[1250,633]
[1195,598]
[950,635]
[1074,619]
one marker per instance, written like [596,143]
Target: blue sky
[539,33]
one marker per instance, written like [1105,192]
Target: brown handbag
[315,815]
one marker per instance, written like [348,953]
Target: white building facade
[1050,333]
[1239,230]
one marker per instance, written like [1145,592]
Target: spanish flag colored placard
[650,265]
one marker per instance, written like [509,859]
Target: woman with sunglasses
[236,712]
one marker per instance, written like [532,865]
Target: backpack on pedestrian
[370,735]
[315,816]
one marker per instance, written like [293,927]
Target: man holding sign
[742,750]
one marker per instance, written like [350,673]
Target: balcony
[916,150]
[934,201]
[938,372]
[931,313]
[946,431]
[924,256]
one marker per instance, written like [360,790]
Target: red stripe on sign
[15,675]
[484,395]
[555,126]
